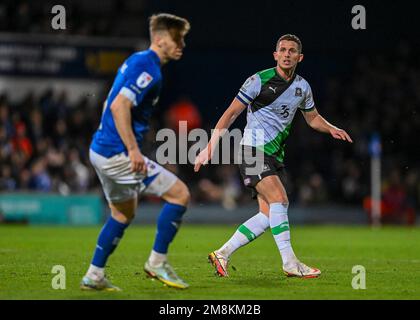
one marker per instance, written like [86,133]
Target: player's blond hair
[176,26]
[290,37]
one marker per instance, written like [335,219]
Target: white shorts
[120,183]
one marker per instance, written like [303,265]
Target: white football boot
[301,270]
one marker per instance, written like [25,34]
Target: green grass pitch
[391,257]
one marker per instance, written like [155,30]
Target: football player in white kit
[272,98]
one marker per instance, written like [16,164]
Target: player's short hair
[176,26]
[290,37]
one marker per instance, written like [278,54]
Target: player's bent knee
[123,218]
[178,194]
[186,198]
[184,195]
[124,212]
[278,199]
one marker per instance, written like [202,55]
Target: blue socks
[167,226]
[109,237]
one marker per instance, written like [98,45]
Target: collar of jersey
[154,56]
[291,79]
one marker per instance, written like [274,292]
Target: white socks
[248,231]
[95,273]
[156,258]
[279,224]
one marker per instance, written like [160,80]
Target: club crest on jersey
[298,92]
[144,79]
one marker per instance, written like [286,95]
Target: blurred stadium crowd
[43,144]
[44,139]
[90,18]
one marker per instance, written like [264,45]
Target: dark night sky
[322,25]
[230,40]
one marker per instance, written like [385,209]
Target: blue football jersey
[139,79]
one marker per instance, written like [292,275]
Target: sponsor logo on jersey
[143,80]
[266,168]
[247,181]
[298,92]
[273,89]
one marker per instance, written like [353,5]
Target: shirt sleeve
[308,103]
[138,81]
[249,90]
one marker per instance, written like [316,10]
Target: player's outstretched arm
[317,122]
[121,112]
[225,121]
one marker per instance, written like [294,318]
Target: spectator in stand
[5,121]
[80,172]
[7,182]
[183,110]
[395,206]
[40,180]
[21,142]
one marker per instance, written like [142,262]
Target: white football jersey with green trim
[272,103]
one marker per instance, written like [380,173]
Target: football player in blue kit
[123,170]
